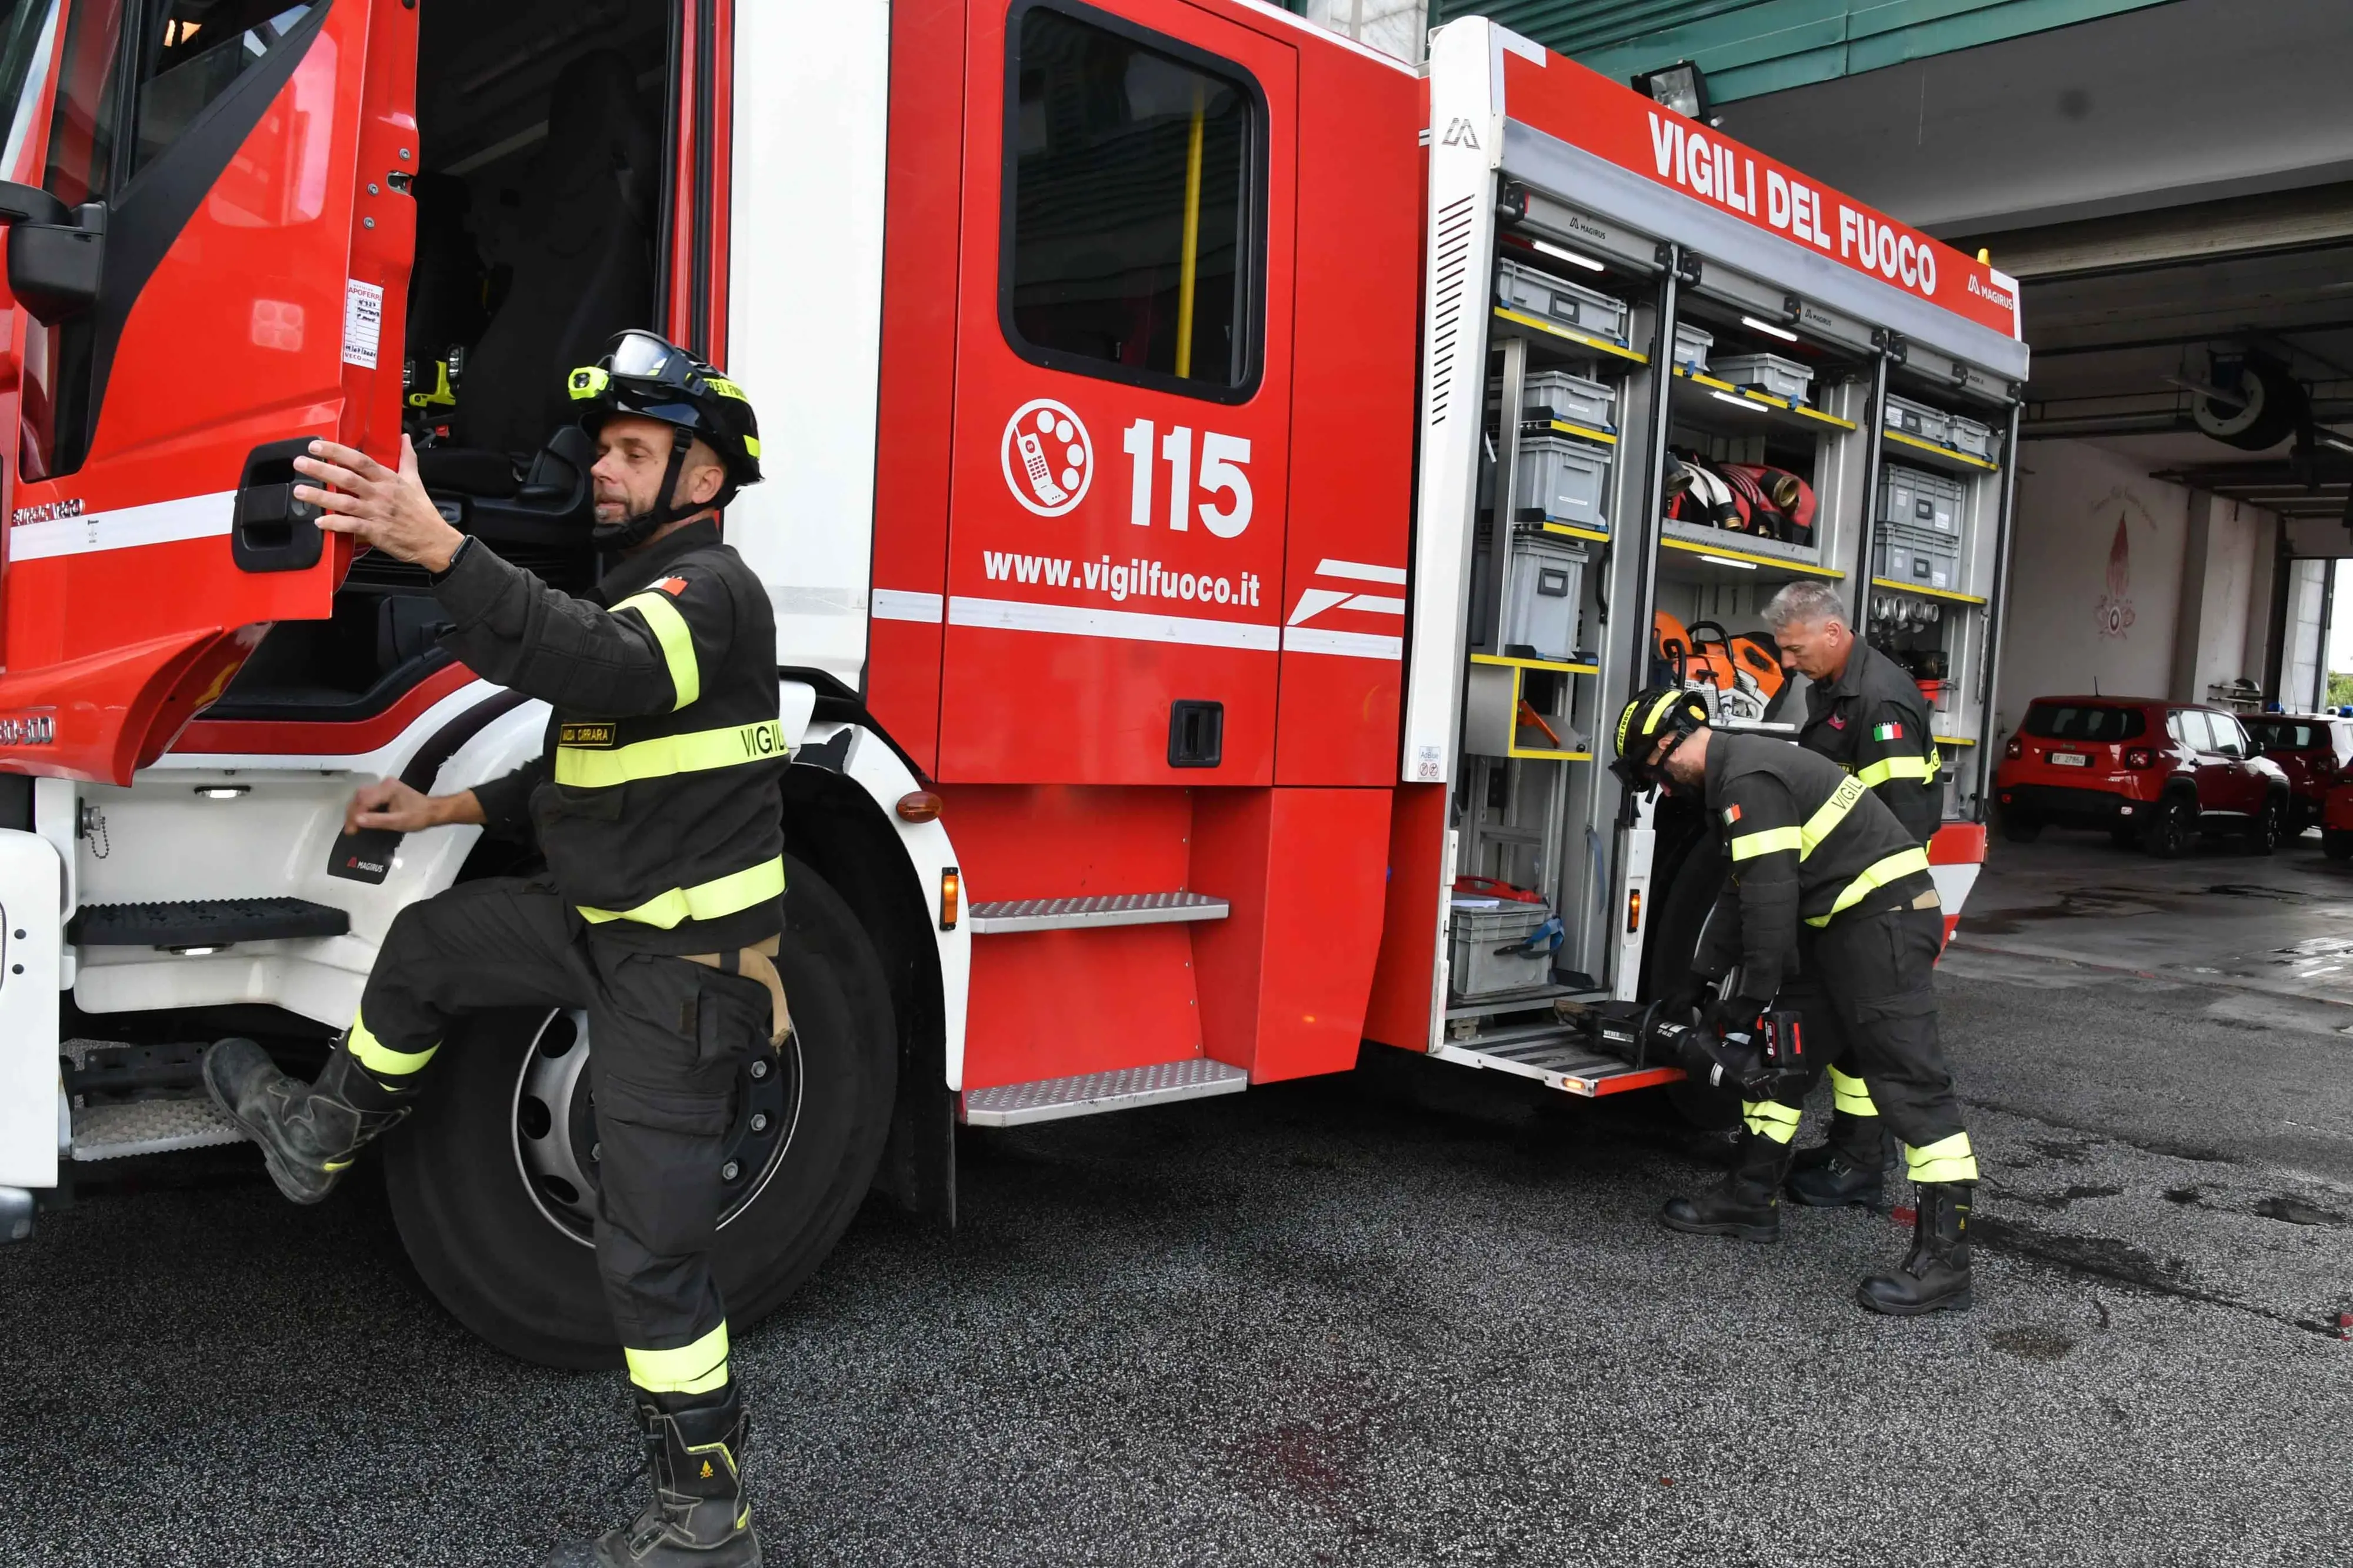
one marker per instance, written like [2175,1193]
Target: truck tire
[2172,833]
[2020,827]
[500,1238]
[1691,890]
[2337,843]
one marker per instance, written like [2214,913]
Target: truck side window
[28,42]
[81,126]
[196,50]
[1133,233]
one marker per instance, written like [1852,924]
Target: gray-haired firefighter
[1864,714]
[1830,912]
[657,807]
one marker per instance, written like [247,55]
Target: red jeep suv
[2312,749]
[2148,771]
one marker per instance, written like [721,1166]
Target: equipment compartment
[1692,345]
[1538,293]
[1563,480]
[1919,557]
[1915,498]
[1769,373]
[1570,398]
[1548,578]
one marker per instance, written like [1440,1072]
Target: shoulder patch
[1887,732]
[673,586]
[1731,815]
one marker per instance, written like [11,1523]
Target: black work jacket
[1873,721]
[657,799]
[1808,844]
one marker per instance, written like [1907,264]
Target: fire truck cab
[1219,479]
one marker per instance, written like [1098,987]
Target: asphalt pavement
[1416,1315]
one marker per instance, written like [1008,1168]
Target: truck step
[1071,914]
[1554,1054]
[150,1127]
[1052,1099]
[204,922]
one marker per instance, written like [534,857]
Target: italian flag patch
[1731,815]
[1887,732]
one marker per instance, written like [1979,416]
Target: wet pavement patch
[2295,1211]
[2032,1343]
[2184,1195]
[2052,1200]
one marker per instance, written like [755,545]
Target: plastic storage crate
[1547,591]
[1480,961]
[1918,499]
[1963,434]
[1919,420]
[1566,479]
[1569,398]
[1917,557]
[1538,293]
[1692,345]
[1768,373]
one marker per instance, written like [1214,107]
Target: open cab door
[210,234]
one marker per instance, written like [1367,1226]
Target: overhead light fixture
[1729,560]
[1769,329]
[1549,249]
[1737,401]
[198,951]
[1682,87]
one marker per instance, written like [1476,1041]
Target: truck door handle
[273,531]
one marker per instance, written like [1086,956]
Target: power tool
[1763,1060]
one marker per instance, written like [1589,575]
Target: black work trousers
[1865,993]
[667,1038]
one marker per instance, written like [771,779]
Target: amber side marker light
[922,805]
[951,897]
[1633,912]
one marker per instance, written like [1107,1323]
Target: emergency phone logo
[1048,458]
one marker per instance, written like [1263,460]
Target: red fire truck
[1221,481]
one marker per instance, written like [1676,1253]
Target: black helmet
[1674,710]
[646,374]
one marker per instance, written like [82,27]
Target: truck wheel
[2264,828]
[2337,843]
[2172,833]
[2019,826]
[1674,938]
[492,1180]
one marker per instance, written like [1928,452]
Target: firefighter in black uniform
[657,803]
[1864,714]
[1829,911]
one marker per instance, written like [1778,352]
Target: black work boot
[1934,1277]
[308,1133]
[1746,1204]
[1849,1168]
[697,1515]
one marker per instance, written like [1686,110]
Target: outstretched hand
[390,804]
[385,508]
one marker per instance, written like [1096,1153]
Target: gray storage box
[1538,293]
[1919,420]
[1547,591]
[1918,499]
[1921,557]
[1566,479]
[1570,398]
[1475,970]
[1768,373]
[1692,345]
[1963,434]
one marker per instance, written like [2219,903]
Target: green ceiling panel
[1752,46]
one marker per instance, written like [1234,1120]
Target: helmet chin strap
[638,527]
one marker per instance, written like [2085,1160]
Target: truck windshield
[27,32]
[2084,721]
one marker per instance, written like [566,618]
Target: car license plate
[2070,760]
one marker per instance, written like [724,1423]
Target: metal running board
[150,1127]
[1553,1054]
[204,922]
[1111,910]
[1052,1099]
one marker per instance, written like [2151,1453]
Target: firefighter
[657,804]
[1829,911]
[1864,714]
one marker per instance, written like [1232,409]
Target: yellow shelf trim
[1550,756]
[1574,532]
[1953,739]
[1696,548]
[1943,451]
[1568,334]
[1928,592]
[1561,665]
[1583,433]
[1765,399]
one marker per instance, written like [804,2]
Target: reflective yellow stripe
[589,768]
[1832,812]
[382,1059]
[1765,841]
[1850,1094]
[697,1368]
[1946,1160]
[1770,1118]
[1879,773]
[1894,867]
[708,901]
[677,643]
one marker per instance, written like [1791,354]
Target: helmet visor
[641,356]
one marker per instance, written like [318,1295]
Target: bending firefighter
[1830,912]
[657,804]
[1864,714]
